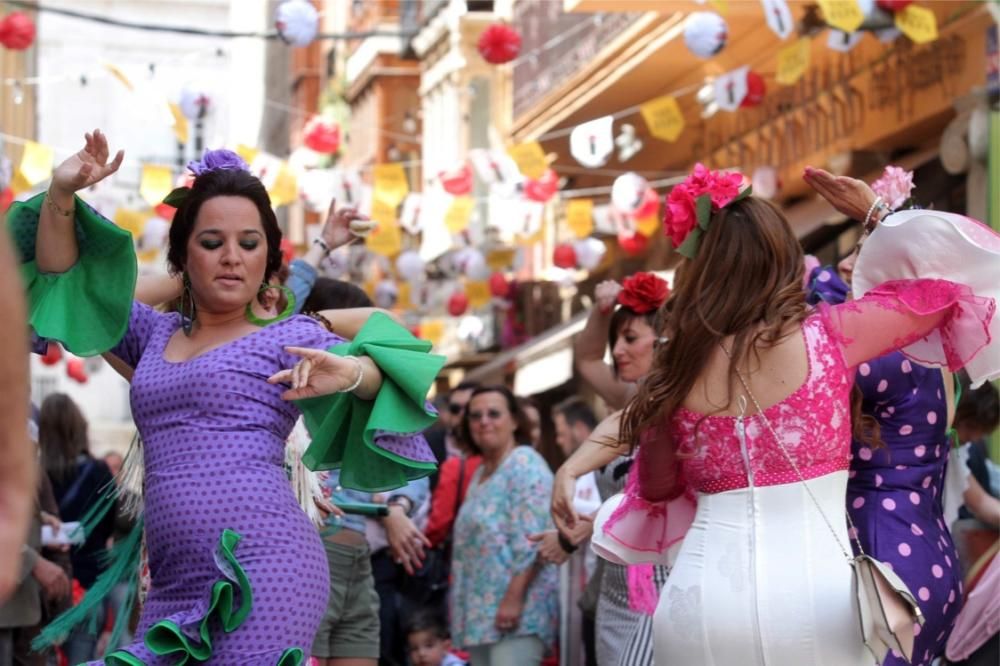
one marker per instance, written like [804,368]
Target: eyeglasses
[455,408]
[491,414]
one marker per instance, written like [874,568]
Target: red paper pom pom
[74,370]
[166,211]
[756,89]
[6,199]
[323,136]
[499,287]
[564,256]
[458,182]
[499,43]
[17,31]
[634,244]
[52,355]
[543,188]
[458,303]
[893,5]
[650,205]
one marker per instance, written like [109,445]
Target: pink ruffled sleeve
[632,530]
[934,322]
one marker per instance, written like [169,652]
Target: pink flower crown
[690,205]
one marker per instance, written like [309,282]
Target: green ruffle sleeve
[366,438]
[87,307]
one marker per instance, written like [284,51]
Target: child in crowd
[429,641]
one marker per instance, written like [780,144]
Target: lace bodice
[814,422]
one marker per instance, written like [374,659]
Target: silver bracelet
[868,217]
[361,376]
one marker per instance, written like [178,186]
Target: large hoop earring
[189,310]
[284,314]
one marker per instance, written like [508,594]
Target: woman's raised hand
[318,373]
[850,196]
[88,166]
[606,295]
[344,225]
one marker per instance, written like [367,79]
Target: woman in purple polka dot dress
[894,492]
[238,572]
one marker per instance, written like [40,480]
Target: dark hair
[62,435]
[522,431]
[750,239]
[330,294]
[223,183]
[429,620]
[466,385]
[621,318]
[575,410]
[978,408]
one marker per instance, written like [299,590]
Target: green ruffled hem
[338,422]
[87,307]
[290,657]
[167,638]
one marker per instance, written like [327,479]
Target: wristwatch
[403,501]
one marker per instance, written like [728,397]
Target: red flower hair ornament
[690,205]
[643,292]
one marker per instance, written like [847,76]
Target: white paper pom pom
[627,192]
[194,102]
[297,22]
[705,33]
[386,294]
[589,252]
[410,266]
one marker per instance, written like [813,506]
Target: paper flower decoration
[542,189]
[894,186]
[499,287]
[690,205]
[457,182]
[643,292]
[632,244]
[17,31]
[322,135]
[297,22]
[705,33]
[499,43]
[756,89]
[458,303]
[564,256]
[215,160]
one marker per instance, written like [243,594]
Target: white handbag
[886,607]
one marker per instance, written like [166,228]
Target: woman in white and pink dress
[759,578]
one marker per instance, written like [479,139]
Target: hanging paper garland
[17,31]
[628,192]
[756,89]
[650,204]
[591,143]
[499,43]
[893,5]
[458,303]
[457,182]
[542,189]
[499,287]
[297,22]
[564,256]
[322,135]
[705,33]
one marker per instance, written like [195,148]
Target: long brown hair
[746,281]
[62,435]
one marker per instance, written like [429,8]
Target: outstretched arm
[591,343]
[600,449]
[56,250]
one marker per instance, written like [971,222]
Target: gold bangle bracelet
[54,207]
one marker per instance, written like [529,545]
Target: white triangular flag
[435,238]
[592,142]
[410,218]
[347,188]
[839,40]
[494,167]
[778,16]
[731,88]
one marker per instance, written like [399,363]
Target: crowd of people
[300,501]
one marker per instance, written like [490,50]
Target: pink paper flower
[894,186]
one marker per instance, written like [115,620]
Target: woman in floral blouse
[504,601]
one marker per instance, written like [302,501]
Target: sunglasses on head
[491,414]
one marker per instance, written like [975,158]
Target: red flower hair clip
[690,205]
[643,292]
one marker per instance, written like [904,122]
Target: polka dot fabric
[894,493]
[214,433]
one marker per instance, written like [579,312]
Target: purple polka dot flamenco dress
[894,492]
[238,572]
